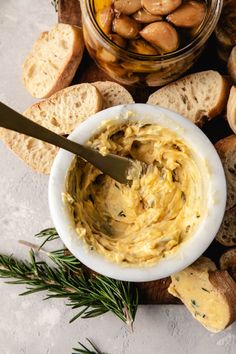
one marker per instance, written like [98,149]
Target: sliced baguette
[231,109]
[113,94]
[232,64]
[60,113]
[196,96]
[228,262]
[226,149]
[227,232]
[53,60]
[209,294]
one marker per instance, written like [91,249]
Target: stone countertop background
[27,324]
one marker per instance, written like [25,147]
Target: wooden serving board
[154,292]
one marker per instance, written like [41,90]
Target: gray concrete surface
[29,325]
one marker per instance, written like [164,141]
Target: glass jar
[130,68]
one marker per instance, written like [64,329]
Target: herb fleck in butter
[194,303]
[205,290]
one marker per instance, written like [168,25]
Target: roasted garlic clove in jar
[127,7]
[190,14]
[162,35]
[104,19]
[160,7]
[143,16]
[126,27]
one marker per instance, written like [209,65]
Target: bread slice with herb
[227,232]
[226,149]
[209,294]
[228,262]
[231,109]
[113,94]
[60,113]
[53,60]
[197,96]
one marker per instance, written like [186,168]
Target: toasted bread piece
[209,294]
[227,232]
[196,96]
[231,109]
[226,149]
[113,94]
[228,262]
[232,64]
[53,60]
[60,113]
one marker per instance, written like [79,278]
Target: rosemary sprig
[50,234]
[86,350]
[55,4]
[65,259]
[60,257]
[93,296]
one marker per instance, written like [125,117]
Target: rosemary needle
[55,4]
[85,350]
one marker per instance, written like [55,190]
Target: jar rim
[203,34]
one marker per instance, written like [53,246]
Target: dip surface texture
[136,225]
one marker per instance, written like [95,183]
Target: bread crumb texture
[53,60]
[113,94]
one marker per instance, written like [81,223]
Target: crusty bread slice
[53,60]
[226,149]
[227,232]
[231,109]
[113,94]
[232,63]
[196,96]
[228,262]
[209,294]
[60,113]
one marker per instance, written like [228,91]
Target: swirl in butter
[136,225]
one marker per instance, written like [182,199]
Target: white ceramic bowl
[212,175]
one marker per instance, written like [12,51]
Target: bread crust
[226,149]
[226,145]
[215,111]
[226,286]
[232,64]
[231,109]
[228,262]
